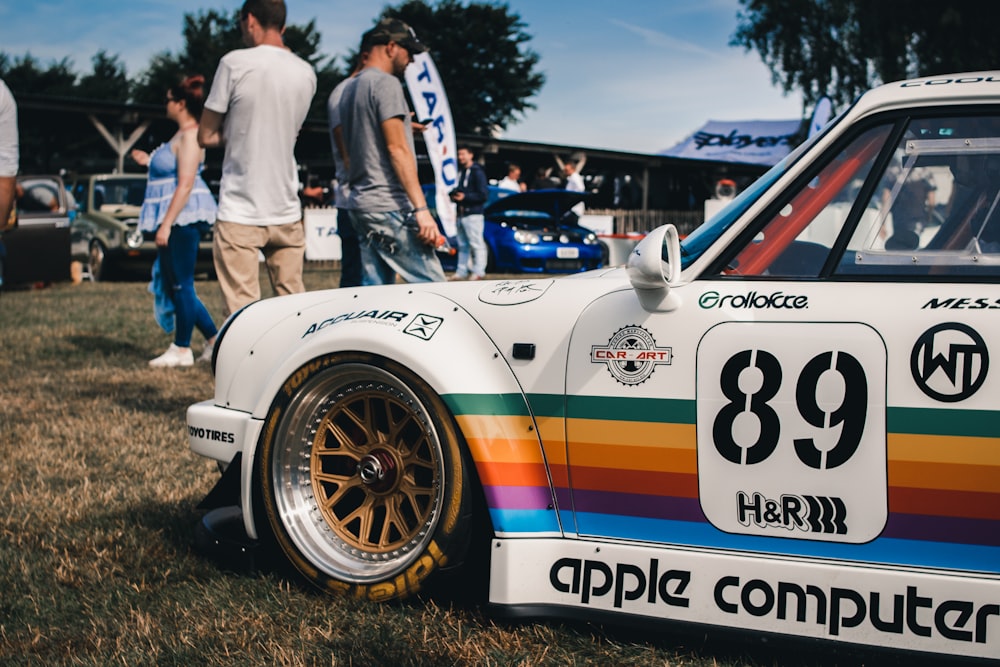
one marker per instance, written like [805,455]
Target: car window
[128,192]
[698,241]
[797,239]
[38,196]
[936,209]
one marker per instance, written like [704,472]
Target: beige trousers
[236,250]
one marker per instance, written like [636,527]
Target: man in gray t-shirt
[397,232]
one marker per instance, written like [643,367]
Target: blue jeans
[350,250]
[471,246]
[390,246]
[177,262]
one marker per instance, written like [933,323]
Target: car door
[38,248]
[820,389]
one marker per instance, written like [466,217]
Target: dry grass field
[98,495]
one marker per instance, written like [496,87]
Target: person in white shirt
[574,183]
[9,155]
[512,181]
[259,99]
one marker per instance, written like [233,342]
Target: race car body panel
[786,423]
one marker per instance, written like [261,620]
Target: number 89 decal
[791,430]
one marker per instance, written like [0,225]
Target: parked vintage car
[786,424]
[37,249]
[105,233]
[532,232]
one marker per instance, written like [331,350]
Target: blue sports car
[533,232]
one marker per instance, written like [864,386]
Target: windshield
[119,192]
[706,234]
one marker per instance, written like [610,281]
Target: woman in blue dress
[179,207]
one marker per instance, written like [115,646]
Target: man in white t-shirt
[574,183]
[9,157]
[512,181]
[259,99]
[9,154]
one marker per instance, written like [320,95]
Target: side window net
[937,205]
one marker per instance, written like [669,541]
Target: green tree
[209,35]
[481,52]
[107,81]
[26,74]
[840,48]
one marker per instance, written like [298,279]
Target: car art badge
[631,355]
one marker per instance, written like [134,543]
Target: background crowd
[254,111]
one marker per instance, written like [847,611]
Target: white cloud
[661,40]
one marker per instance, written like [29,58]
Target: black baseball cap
[393,30]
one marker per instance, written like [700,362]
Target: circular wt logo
[949,362]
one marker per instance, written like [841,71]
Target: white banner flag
[762,142]
[431,104]
[821,115]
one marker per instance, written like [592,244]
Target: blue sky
[631,75]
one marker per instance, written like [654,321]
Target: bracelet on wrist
[422,208]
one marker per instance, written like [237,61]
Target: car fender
[436,338]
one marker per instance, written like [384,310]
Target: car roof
[962,88]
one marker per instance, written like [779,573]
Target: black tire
[96,261]
[361,480]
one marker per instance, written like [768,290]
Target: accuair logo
[384,317]
[949,362]
[631,355]
[424,326]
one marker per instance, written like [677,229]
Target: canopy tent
[762,142]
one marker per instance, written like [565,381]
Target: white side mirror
[645,269]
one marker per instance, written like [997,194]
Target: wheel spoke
[328,501]
[333,478]
[364,517]
[375,434]
[392,518]
[343,438]
[415,458]
[396,427]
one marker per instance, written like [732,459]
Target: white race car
[785,423]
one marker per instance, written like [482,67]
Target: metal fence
[630,221]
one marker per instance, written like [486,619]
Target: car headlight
[134,238]
[526,238]
[590,239]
